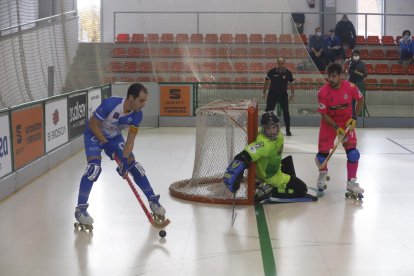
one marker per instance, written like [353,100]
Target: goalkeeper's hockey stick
[155,222]
[233,214]
[331,152]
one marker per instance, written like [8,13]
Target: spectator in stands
[406,48]
[345,30]
[333,47]
[357,72]
[317,49]
[279,78]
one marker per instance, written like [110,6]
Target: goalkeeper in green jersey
[276,176]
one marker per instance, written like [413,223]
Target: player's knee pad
[93,170]
[352,155]
[136,169]
[321,157]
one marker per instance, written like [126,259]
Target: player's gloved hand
[352,122]
[233,175]
[123,167]
[339,131]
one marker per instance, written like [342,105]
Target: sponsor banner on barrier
[56,119]
[77,109]
[5,146]
[27,131]
[175,100]
[94,100]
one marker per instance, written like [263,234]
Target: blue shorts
[93,146]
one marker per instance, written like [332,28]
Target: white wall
[396,24]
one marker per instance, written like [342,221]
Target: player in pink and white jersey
[335,106]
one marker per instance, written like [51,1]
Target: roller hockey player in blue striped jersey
[103,132]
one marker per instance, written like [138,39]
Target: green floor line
[268,259]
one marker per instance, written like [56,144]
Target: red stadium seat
[211,52]
[403,84]
[211,38]
[271,52]
[240,38]
[138,38]
[195,52]
[285,38]
[370,68]
[209,66]
[382,69]
[179,67]
[256,67]
[196,38]
[377,54]
[301,53]
[146,67]
[364,54]
[287,53]
[240,67]
[387,84]
[225,66]
[167,38]
[239,52]
[134,52]
[397,69]
[410,69]
[178,52]
[191,79]
[348,53]
[360,40]
[300,39]
[143,79]
[373,40]
[226,38]
[223,52]
[270,38]
[122,38]
[164,52]
[270,65]
[371,84]
[119,52]
[392,54]
[255,38]
[182,38]
[153,38]
[150,52]
[109,79]
[161,66]
[130,67]
[387,40]
[257,53]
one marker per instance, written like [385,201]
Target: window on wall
[370,24]
[89,20]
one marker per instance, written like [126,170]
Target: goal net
[224,128]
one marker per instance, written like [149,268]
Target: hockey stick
[234,214]
[331,152]
[155,222]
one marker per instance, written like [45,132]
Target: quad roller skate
[321,182]
[158,212]
[353,190]
[84,220]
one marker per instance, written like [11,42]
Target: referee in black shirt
[279,78]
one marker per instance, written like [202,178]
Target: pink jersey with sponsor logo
[337,103]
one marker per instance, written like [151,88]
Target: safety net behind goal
[223,129]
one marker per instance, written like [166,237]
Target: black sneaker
[288,133]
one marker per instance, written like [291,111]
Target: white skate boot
[321,182]
[353,190]
[84,220]
[156,208]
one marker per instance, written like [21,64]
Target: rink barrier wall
[13,178]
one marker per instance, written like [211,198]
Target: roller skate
[263,192]
[84,220]
[158,212]
[353,190]
[321,182]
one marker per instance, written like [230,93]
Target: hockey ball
[162,233]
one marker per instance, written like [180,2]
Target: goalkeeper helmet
[270,124]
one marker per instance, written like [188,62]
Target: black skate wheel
[76,225]
[328,178]
[162,233]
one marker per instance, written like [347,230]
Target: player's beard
[334,84]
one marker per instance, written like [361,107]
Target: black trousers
[295,187]
[284,105]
